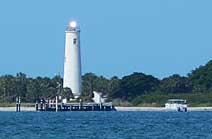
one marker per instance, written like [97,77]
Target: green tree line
[137,89]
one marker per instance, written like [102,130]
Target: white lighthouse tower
[72,62]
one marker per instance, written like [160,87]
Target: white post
[56,104]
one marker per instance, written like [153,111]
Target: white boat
[179,105]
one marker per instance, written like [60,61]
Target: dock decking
[81,106]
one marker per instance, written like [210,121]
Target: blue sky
[118,37]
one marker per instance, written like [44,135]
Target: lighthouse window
[75,41]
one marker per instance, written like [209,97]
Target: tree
[135,85]
[92,82]
[175,84]
[114,86]
[201,78]
[88,84]
[8,88]
[67,93]
[21,85]
[32,90]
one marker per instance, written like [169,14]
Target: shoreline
[13,109]
[160,109]
[118,108]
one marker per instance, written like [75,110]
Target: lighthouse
[72,61]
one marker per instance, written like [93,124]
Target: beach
[160,109]
[13,109]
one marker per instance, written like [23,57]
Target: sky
[118,37]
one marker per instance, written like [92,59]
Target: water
[105,125]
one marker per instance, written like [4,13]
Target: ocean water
[105,125]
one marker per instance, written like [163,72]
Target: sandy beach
[13,109]
[160,109]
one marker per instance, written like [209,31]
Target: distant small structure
[64,100]
[99,97]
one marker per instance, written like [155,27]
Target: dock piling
[56,107]
[36,106]
[18,104]
[81,105]
[41,104]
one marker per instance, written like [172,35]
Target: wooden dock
[81,106]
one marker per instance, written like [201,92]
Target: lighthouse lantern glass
[73,24]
